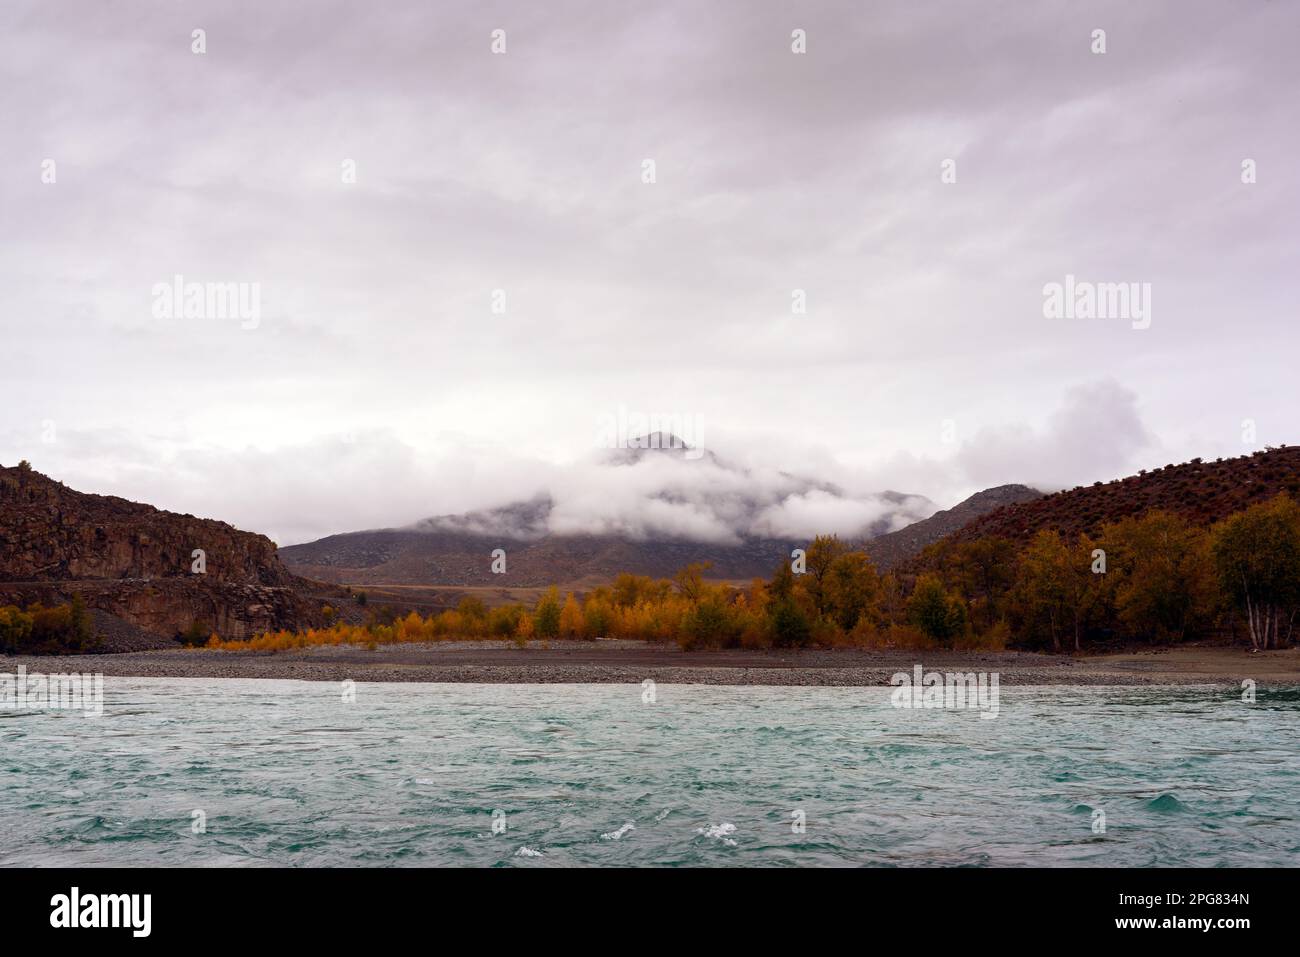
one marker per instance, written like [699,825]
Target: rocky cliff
[138,563]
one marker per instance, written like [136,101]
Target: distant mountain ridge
[543,547]
[408,557]
[456,550]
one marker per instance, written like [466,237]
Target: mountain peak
[658,444]
[658,440]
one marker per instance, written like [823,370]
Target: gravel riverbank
[633,662]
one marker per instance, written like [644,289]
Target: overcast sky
[380,387]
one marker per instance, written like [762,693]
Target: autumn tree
[690,580]
[820,557]
[758,595]
[1164,577]
[630,589]
[15,629]
[525,629]
[571,620]
[1257,556]
[852,590]
[1085,586]
[1057,586]
[892,604]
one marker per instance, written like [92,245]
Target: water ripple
[258,773]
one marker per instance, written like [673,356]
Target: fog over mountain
[648,508]
[660,493]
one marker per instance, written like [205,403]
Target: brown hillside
[894,548]
[1202,492]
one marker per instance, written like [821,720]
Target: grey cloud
[776,172]
[1095,435]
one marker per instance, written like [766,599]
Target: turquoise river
[247,773]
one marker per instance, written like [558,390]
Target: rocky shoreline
[620,662]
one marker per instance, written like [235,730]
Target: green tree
[707,623]
[597,616]
[937,612]
[503,621]
[81,627]
[791,626]
[472,608]
[546,616]
[782,585]
[985,571]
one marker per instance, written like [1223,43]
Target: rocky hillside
[49,532]
[1202,492]
[136,562]
[894,548]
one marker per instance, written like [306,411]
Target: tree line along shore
[1157,579]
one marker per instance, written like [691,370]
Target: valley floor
[563,662]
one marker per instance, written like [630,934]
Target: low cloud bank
[332,484]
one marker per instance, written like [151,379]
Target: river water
[242,772]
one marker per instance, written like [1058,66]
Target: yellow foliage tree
[571,620]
